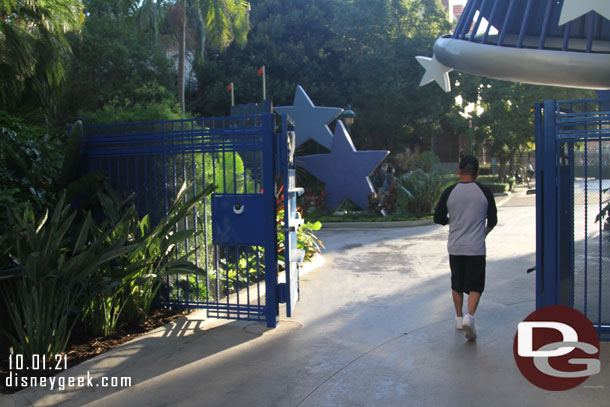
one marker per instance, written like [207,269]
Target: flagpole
[232,95]
[264,85]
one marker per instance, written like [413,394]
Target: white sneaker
[459,323]
[468,324]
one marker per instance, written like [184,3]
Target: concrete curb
[316,262]
[375,225]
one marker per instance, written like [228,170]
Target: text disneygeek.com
[65,382]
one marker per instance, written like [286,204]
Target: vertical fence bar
[491,19]
[206,250]
[590,31]
[528,9]
[470,17]
[550,284]
[600,231]
[237,258]
[227,280]
[572,237]
[174,196]
[545,24]
[234,172]
[586,237]
[540,191]
[269,170]
[478,23]
[566,36]
[463,21]
[248,249]
[504,29]
[258,277]
[185,180]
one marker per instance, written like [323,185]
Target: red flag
[230,86]
[260,70]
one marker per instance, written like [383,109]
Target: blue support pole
[492,16]
[545,24]
[540,147]
[549,294]
[269,170]
[478,23]
[503,30]
[523,29]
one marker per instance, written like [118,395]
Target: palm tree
[218,23]
[34,50]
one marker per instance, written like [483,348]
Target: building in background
[454,9]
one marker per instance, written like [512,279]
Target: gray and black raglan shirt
[468,207]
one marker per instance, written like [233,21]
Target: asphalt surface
[374,327]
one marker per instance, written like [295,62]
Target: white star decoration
[435,71]
[573,9]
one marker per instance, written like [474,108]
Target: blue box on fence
[237,220]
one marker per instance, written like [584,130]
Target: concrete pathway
[374,327]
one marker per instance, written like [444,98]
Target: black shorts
[467,273]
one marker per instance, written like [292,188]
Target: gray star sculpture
[344,170]
[310,122]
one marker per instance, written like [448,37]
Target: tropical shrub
[428,162]
[306,238]
[418,191]
[46,265]
[497,187]
[153,103]
[130,283]
[30,162]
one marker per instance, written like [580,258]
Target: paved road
[374,327]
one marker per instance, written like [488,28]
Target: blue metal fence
[237,249]
[573,182]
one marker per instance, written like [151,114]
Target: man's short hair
[469,165]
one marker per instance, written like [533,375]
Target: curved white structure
[535,66]
[542,42]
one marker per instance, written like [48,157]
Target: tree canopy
[112,56]
[505,124]
[359,52]
[34,51]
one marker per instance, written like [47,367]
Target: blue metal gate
[237,248]
[572,182]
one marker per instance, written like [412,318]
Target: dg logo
[557,348]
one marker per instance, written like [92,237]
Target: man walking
[470,210]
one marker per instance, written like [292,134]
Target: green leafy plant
[130,283]
[308,241]
[497,187]
[418,191]
[29,165]
[306,238]
[153,103]
[428,162]
[46,266]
